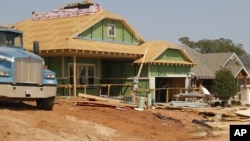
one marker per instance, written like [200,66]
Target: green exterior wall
[122,72]
[55,64]
[111,72]
[99,31]
[164,70]
[171,54]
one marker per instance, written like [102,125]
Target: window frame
[82,79]
[111,30]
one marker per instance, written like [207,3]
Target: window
[84,74]
[10,39]
[111,30]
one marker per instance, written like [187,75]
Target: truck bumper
[27,92]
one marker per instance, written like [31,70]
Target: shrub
[224,85]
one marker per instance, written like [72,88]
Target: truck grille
[28,70]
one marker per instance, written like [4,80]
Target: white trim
[242,68]
[109,28]
[152,82]
[235,57]
[175,75]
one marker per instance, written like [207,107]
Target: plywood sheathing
[156,48]
[59,35]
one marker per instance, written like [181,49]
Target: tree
[214,46]
[224,86]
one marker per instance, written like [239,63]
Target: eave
[168,63]
[88,53]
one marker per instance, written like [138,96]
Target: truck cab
[22,73]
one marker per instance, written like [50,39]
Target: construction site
[97,118]
[112,84]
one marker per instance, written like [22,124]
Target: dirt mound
[23,121]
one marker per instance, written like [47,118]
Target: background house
[209,63]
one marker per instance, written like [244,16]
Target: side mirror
[36,47]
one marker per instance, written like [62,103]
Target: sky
[154,20]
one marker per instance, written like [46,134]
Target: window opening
[10,39]
[84,74]
[111,30]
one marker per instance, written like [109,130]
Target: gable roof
[201,70]
[246,61]
[209,63]
[59,34]
[154,49]
[215,61]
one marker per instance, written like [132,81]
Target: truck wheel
[45,103]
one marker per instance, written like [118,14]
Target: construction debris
[201,122]
[186,104]
[189,95]
[218,114]
[96,104]
[97,101]
[71,10]
[245,113]
[158,115]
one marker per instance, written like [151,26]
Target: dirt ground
[22,121]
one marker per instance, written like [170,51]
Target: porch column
[74,69]
[187,81]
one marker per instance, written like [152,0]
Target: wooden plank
[108,93]
[103,104]
[245,113]
[98,98]
[141,65]
[107,101]
[96,104]
[235,118]
[186,104]
[167,96]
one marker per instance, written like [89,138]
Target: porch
[181,94]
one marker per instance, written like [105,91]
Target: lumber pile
[97,101]
[187,104]
[222,114]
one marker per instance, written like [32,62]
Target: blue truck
[23,75]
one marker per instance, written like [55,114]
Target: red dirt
[23,121]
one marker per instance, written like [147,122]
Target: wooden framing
[84,87]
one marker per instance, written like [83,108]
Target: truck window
[10,39]
[2,39]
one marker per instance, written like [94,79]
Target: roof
[215,61]
[246,61]
[155,48]
[59,34]
[201,69]
[209,63]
